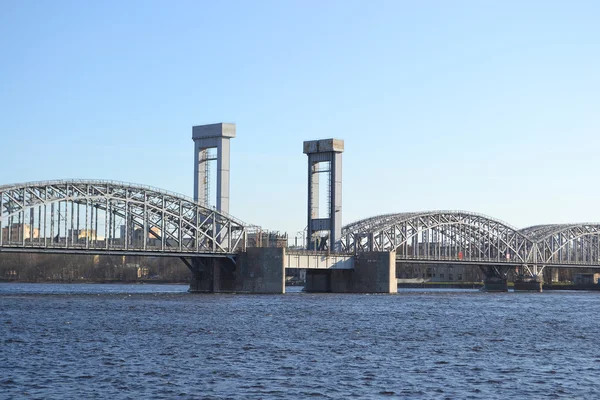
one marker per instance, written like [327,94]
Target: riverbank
[477,285]
[441,285]
[104,281]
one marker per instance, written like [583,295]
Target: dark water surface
[157,341]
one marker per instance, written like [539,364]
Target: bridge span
[111,217]
[118,218]
[460,237]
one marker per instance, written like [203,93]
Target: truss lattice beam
[72,215]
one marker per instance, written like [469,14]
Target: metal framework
[565,244]
[85,216]
[464,237]
[439,235]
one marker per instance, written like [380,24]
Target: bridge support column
[530,278]
[261,270]
[528,285]
[374,272]
[258,270]
[318,281]
[495,285]
[212,275]
[495,278]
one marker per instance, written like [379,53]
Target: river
[61,341]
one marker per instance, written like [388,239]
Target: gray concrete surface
[258,270]
[318,152]
[207,137]
[374,272]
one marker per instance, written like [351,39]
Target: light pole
[303,233]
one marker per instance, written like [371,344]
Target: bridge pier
[495,285]
[374,272]
[212,275]
[529,278]
[257,270]
[496,277]
[318,281]
[533,285]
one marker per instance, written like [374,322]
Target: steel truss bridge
[459,237]
[109,217]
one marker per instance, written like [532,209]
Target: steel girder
[566,244]
[469,237]
[76,215]
[439,235]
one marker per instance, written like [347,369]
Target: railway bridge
[460,237]
[111,217]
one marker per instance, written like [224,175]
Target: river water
[157,341]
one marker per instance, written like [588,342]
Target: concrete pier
[213,275]
[495,285]
[528,286]
[257,270]
[318,281]
[374,272]
[262,270]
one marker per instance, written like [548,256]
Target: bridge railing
[96,248]
[316,253]
[458,259]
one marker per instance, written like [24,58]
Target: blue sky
[486,106]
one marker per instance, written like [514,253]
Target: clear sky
[485,106]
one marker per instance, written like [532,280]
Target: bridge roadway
[109,217]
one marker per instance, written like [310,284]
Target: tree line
[36,267]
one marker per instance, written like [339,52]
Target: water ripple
[62,343]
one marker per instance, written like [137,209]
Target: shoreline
[103,282]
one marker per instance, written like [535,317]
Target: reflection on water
[88,288]
[157,341]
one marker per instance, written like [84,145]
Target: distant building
[586,279]
[81,234]
[438,273]
[16,232]
[260,238]
[143,272]
[11,274]
[153,233]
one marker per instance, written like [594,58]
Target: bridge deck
[318,260]
[484,261]
[113,252]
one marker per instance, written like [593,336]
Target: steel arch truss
[565,244]
[91,216]
[440,235]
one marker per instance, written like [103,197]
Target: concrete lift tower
[209,137]
[328,153]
